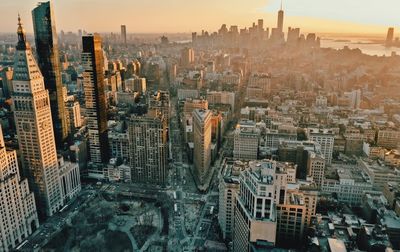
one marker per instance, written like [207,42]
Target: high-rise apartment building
[123,34]
[202,145]
[49,63]
[32,114]
[95,98]
[18,218]
[148,148]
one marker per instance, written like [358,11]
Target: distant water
[366,46]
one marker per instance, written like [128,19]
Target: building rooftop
[201,112]
[263,171]
[344,172]
[336,245]
[378,166]
[320,131]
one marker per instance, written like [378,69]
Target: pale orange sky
[166,16]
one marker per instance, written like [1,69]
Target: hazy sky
[360,16]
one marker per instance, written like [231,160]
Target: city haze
[187,16]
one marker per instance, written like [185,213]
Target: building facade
[229,184]
[95,98]
[148,148]
[325,138]
[246,141]
[18,218]
[70,179]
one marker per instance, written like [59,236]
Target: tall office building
[277,34]
[148,148]
[123,34]
[32,114]
[260,25]
[18,217]
[95,100]
[202,145]
[390,36]
[261,188]
[280,20]
[49,64]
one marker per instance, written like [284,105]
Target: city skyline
[251,131]
[337,17]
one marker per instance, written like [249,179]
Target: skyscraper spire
[281,4]
[22,45]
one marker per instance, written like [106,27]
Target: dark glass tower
[95,98]
[49,64]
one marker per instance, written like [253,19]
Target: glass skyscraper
[49,63]
[95,98]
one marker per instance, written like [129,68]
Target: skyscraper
[32,114]
[123,34]
[95,100]
[280,19]
[260,25]
[202,145]
[49,64]
[187,56]
[148,148]
[19,217]
[390,36]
